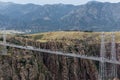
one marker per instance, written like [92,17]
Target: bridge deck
[61,53]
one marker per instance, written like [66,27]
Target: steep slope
[96,16]
[29,65]
[35,17]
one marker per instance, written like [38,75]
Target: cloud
[58,1]
[113,1]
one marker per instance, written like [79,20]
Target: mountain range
[95,16]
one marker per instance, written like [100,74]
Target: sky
[42,2]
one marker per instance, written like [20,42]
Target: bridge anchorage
[107,71]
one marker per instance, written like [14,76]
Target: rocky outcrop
[31,65]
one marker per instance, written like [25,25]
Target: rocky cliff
[31,65]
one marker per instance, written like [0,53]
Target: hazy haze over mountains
[95,16]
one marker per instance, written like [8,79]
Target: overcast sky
[76,2]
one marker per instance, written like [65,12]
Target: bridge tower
[102,65]
[4,41]
[113,57]
[104,74]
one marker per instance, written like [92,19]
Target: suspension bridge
[103,61]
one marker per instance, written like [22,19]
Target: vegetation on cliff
[31,65]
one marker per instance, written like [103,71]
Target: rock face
[49,69]
[22,67]
[115,79]
[31,65]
